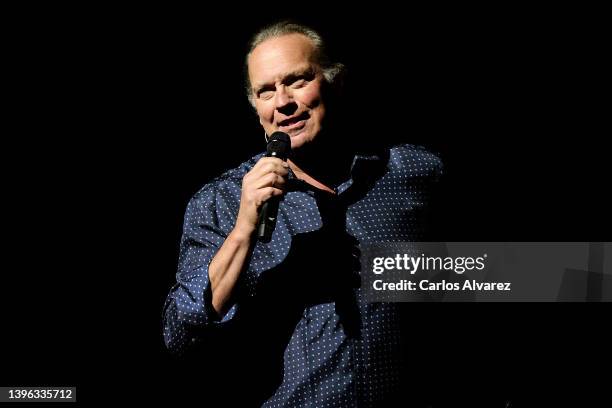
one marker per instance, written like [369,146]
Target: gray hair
[331,70]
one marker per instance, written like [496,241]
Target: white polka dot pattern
[323,367]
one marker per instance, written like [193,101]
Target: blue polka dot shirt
[324,362]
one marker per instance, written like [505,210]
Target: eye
[265,94]
[298,83]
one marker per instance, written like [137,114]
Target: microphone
[279,146]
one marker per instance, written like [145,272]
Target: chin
[300,139]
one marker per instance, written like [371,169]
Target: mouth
[295,122]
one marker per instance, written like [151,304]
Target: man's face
[286,85]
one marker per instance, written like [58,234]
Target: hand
[265,180]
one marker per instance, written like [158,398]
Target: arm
[210,261]
[265,180]
[227,265]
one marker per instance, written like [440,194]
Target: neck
[323,165]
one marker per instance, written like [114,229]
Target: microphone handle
[267,219]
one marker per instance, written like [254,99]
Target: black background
[118,116]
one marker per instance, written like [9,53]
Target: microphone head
[279,145]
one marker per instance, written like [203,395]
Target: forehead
[280,56]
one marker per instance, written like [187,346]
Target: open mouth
[294,122]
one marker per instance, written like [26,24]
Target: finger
[270,180]
[267,161]
[272,168]
[273,165]
[268,192]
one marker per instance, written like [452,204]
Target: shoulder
[415,161]
[225,187]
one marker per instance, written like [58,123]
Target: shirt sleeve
[188,308]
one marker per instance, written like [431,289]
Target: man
[284,323]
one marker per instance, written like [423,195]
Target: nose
[282,97]
[284,102]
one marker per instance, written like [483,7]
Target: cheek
[311,97]
[265,113]
[317,104]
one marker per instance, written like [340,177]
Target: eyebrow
[288,77]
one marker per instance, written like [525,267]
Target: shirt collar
[363,166]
